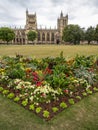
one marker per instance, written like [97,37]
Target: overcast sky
[81,12]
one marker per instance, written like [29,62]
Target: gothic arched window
[48,37]
[52,37]
[38,36]
[43,37]
[17,40]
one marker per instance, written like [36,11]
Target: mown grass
[40,51]
[81,116]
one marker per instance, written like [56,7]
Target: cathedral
[45,36]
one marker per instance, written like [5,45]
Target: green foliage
[32,35]
[89,91]
[11,95]
[16,99]
[96,33]
[78,97]
[24,103]
[63,105]
[84,94]
[38,109]
[31,107]
[95,89]
[1,89]
[46,113]
[89,36]
[5,92]
[6,34]
[85,61]
[71,101]
[15,71]
[55,109]
[72,34]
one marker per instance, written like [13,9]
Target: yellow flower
[28,70]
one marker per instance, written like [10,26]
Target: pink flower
[66,91]
[43,94]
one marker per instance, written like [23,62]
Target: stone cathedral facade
[50,36]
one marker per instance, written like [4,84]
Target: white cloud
[84,12]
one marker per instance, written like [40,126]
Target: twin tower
[45,36]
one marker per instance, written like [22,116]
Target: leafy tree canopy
[32,35]
[96,33]
[6,34]
[73,34]
[89,36]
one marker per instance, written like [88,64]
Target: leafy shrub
[71,101]
[31,107]
[5,92]
[84,73]
[16,99]
[11,95]
[78,97]
[24,103]
[89,91]
[1,89]
[38,109]
[83,61]
[55,109]
[46,113]
[63,105]
[84,94]
[95,89]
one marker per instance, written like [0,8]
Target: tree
[32,35]
[73,34]
[6,34]
[96,33]
[89,35]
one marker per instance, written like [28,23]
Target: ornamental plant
[71,101]
[55,109]
[95,89]
[31,107]
[89,91]
[63,105]
[84,94]
[17,99]
[5,92]
[11,95]
[25,102]
[46,114]
[78,97]
[38,110]
[1,89]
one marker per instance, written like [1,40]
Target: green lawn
[40,51]
[81,116]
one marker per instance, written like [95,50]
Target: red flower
[39,83]
[47,71]
[35,74]
[66,91]
[35,79]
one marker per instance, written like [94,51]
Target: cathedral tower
[31,21]
[61,23]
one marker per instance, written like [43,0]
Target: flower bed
[50,85]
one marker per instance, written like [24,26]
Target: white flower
[31,98]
